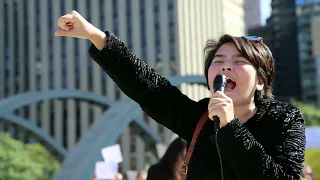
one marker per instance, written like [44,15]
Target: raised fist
[74,25]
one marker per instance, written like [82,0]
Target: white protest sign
[106,170]
[112,154]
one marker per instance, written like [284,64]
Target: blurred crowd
[168,167]
[140,176]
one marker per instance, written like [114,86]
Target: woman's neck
[245,112]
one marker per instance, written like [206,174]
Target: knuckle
[224,104]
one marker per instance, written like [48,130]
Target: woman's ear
[259,85]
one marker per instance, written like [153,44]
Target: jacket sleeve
[157,97]
[248,158]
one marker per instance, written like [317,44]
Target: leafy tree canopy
[310,112]
[19,161]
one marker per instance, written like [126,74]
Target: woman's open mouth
[231,84]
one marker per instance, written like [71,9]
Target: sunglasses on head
[252,38]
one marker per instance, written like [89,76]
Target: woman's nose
[226,68]
[227,65]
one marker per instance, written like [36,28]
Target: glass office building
[308,69]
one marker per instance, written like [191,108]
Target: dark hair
[258,54]
[169,159]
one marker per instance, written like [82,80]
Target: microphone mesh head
[219,83]
[220,79]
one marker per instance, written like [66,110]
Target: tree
[19,161]
[310,112]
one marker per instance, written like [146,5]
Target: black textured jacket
[270,145]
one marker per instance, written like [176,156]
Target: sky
[265,7]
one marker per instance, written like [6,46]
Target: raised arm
[154,93]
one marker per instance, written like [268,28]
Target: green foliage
[312,159]
[310,112]
[312,116]
[19,161]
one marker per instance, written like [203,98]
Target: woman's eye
[216,62]
[240,62]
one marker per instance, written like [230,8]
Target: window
[318,66]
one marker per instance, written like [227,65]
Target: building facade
[289,35]
[280,34]
[263,31]
[307,51]
[285,49]
[315,29]
[253,14]
[168,34]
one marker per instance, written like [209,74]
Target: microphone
[219,84]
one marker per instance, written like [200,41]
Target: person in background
[118,176]
[142,175]
[307,173]
[257,137]
[168,167]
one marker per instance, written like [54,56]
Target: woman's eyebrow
[221,55]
